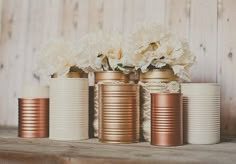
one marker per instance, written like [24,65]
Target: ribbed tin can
[33,118]
[69,100]
[156,81]
[201,110]
[119,118]
[166,119]
[105,77]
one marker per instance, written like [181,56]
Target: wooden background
[209,25]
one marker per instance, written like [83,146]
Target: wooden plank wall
[209,26]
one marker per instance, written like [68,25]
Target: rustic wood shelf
[15,150]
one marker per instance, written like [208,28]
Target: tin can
[105,77]
[119,118]
[152,81]
[33,118]
[69,111]
[166,119]
[201,110]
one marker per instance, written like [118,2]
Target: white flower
[137,44]
[150,46]
[102,49]
[57,56]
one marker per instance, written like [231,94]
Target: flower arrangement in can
[150,46]
[58,57]
[104,50]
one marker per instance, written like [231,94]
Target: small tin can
[154,80]
[166,119]
[33,118]
[119,113]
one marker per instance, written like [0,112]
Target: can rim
[33,99]
[165,93]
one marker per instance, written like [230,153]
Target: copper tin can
[166,119]
[119,113]
[33,118]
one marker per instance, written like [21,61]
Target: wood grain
[226,64]
[178,17]
[75,19]
[155,11]
[203,39]
[12,47]
[96,8]
[15,150]
[113,15]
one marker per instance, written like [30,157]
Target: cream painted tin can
[69,108]
[201,104]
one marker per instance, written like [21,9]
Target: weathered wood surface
[15,150]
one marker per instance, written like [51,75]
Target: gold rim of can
[109,76]
[120,137]
[117,125]
[121,130]
[163,75]
[118,142]
[72,75]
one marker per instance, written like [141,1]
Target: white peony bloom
[150,46]
[103,51]
[56,56]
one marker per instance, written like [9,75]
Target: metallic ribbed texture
[166,119]
[152,81]
[33,118]
[119,113]
[105,77]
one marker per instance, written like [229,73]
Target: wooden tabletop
[14,150]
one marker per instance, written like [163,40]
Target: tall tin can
[102,77]
[166,119]
[33,117]
[119,113]
[69,112]
[201,108]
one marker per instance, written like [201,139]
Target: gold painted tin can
[33,118]
[166,119]
[105,77]
[119,118]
